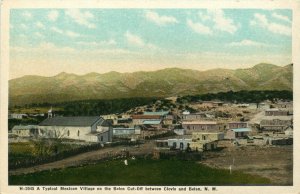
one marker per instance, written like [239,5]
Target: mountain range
[161,83]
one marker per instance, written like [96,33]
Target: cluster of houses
[195,131]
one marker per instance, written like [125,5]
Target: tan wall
[237,125]
[196,146]
[207,136]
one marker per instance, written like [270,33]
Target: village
[239,124]
[199,127]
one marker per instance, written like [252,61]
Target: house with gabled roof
[90,129]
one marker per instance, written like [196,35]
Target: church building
[86,128]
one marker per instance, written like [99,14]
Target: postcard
[149,96]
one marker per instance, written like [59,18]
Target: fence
[21,162]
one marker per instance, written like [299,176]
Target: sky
[49,41]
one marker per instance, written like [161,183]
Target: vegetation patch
[25,154]
[139,172]
[87,107]
[243,96]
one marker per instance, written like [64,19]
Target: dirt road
[87,158]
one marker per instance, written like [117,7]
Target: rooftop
[276,109]
[24,127]
[152,122]
[241,130]
[199,123]
[71,121]
[206,133]
[160,113]
[146,116]
[284,117]
[123,128]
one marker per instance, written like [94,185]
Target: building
[243,105]
[160,113]
[193,144]
[263,105]
[211,104]
[112,118]
[203,141]
[197,126]
[236,125]
[179,131]
[124,121]
[17,116]
[276,123]
[162,143]
[193,116]
[166,117]
[237,133]
[139,119]
[284,105]
[90,129]
[289,131]
[169,119]
[281,141]
[181,144]
[121,131]
[276,112]
[186,112]
[203,146]
[207,136]
[154,124]
[24,130]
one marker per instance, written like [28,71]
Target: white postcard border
[148,4]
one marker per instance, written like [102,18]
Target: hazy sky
[49,41]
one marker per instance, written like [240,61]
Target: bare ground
[275,163]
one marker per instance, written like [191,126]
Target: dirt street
[275,163]
[87,157]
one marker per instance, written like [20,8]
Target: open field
[275,163]
[139,172]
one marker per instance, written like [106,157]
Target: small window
[174,145]
[68,133]
[101,138]
[78,133]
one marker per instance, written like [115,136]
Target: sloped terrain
[161,83]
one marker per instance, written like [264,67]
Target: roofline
[98,120]
[73,125]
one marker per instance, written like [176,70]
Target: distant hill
[161,83]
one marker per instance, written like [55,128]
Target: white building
[24,130]
[122,131]
[181,144]
[17,116]
[90,129]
